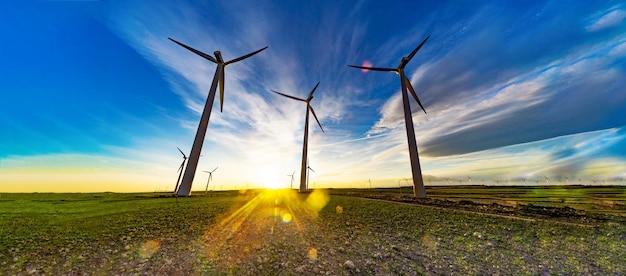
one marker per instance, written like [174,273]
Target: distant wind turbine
[292,178]
[307,176]
[180,169]
[209,180]
[418,183]
[305,143]
[469,179]
[370,181]
[547,180]
[192,164]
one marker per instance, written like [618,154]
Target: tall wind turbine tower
[418,183]
[192,164]
[305,142]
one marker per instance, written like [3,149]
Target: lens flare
[366,63]
[313,253]
[339,210]
[149,248]
[317,200]
[286,217]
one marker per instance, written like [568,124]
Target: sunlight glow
[241,230]
[149,248]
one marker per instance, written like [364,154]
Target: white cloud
[609,19]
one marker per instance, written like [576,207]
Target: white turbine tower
[292,178]
[192,164]
[418,183]
[307,176]
[209,180]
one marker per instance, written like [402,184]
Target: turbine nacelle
[218,56]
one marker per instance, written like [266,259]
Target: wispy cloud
[610,18]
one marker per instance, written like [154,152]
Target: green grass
[593,199]
[108,233]
[50,232]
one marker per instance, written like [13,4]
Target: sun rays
[270,217]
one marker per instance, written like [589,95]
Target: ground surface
[283,233]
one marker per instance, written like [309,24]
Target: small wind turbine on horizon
[307,176]
[209,180]
[292,178]
[192,164]
[418,183]
[180,170]
[469,179]
[304,185]
[547,180]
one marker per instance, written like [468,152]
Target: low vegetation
[281,232]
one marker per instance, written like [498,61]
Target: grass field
[281,232]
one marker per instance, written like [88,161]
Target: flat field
[322,233]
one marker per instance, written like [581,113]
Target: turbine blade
[244,57]
[222,89]
[408,85]
[181,152]
[195,51]
[315,116]
[292,97]
[311,169]
[214,169]
[416,49]
[181,167]
[375,68]
[313,91]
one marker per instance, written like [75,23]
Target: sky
[94,97]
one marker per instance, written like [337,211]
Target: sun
[269,180]
[273,185]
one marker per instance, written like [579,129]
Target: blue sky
[95,98]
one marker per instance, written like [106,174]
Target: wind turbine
[418,183]
[180,169]
[303,169]
[307,176]
[209,180]
[469,179]
[292,178]
[547,180]
[192,164]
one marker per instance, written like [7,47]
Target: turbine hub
[218,56]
